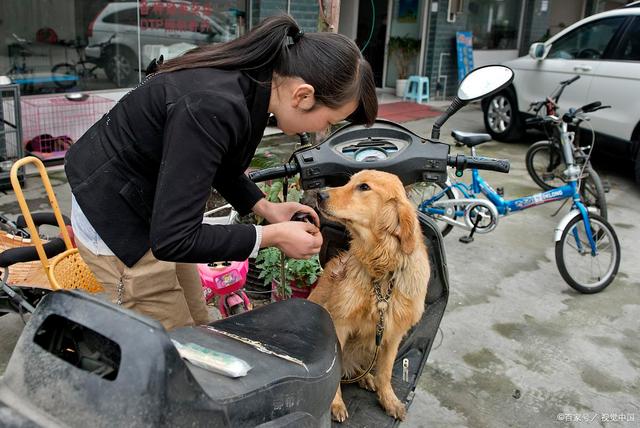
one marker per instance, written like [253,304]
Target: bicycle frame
[506,207]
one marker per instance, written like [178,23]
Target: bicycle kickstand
[469,239]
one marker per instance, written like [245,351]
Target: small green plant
[404,50]
[301,272]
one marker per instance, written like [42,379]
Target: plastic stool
[417,89]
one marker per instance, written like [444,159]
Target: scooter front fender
[565,221]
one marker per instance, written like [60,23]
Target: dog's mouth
[329,214]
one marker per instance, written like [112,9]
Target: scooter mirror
[484,81]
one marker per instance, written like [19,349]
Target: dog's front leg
[338,408]
[384,367]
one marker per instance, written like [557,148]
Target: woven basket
[68,270]
[24,274]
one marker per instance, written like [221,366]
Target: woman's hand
[296,239]
[280,212]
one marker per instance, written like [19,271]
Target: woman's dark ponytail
[331,63]
[259,48]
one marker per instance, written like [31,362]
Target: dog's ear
[398,218]
[407,218]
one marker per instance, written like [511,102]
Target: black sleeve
[200,129]
[240,192]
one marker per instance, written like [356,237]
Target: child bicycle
[587,248]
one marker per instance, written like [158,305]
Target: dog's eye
[364,187]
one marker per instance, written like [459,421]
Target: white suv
[166,23]
[604,50]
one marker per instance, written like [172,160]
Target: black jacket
[143,173]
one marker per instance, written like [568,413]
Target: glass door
[405,38]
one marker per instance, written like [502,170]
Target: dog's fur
[386,245]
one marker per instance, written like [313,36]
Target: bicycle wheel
[61,73]
[545,164]
[592,191]
[422,191]
[583,271]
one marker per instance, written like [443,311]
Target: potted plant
[403,50]
[300,275]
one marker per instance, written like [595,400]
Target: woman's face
[318,118]
[296,110]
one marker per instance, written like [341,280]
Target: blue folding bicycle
[587,248]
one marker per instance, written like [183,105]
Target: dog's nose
[322,197]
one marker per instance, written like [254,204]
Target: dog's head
[373,205]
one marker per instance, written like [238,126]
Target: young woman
[142,174]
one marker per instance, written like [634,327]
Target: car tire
[121,67]
[501,116]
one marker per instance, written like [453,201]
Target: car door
[616,82]
[576,52]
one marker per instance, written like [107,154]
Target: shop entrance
[372,33]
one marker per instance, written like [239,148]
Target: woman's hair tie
[295,37]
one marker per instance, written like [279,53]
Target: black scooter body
[133,376]
[150,385]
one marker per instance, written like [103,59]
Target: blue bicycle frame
[506,207]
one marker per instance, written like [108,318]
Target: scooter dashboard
[384,146]
[370,149]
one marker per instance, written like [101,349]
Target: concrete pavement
[518,347]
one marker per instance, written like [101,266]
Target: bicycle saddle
[470,139]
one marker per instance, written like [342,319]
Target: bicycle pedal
[500,191]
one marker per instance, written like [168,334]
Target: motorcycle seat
[470,139]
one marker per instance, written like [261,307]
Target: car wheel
[121,67]
[501,117]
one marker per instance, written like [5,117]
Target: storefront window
[305,12]
[56,46]
[494,23]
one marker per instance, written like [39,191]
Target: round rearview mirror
[484,81]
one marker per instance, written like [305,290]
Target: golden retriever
[387,247]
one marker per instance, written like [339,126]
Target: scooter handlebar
[286,170]
[462,162]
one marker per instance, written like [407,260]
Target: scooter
[81,360]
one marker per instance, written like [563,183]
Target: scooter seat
[290,344]
[470,139]
[114,367]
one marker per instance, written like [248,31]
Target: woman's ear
[302,96]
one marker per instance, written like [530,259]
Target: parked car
[157,24]
[604,49]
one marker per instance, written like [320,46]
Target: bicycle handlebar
[570,81]
[41,218]
[27,254]
[462,162]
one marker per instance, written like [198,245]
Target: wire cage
[51,124]
[10,131]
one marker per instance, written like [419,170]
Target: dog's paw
[395,409]
[367,383]
[339,411]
